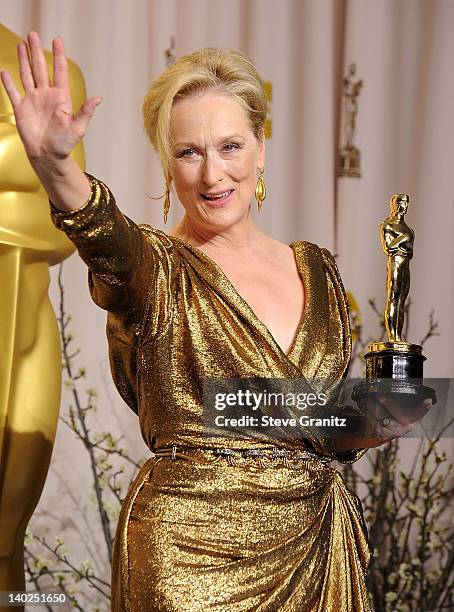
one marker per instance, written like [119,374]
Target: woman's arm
[112,246]
[130,274]
[340,311]
[130,266]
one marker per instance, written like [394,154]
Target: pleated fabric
[201,531]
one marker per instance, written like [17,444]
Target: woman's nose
[211,170]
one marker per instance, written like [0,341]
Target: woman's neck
[242,236]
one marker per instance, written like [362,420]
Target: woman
[228,522]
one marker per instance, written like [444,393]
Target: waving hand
[46,124]
[44,116]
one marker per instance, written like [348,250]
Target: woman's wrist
[66,184]
[343,445]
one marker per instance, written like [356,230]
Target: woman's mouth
[219,199]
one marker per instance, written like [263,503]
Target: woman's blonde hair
[228,71]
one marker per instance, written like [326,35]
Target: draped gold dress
[199,531]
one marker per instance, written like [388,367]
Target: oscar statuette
[396,366]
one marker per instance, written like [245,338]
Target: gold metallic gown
[199,531]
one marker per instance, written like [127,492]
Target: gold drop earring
[260,190]
[166,201]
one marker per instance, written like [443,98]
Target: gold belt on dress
[265,457]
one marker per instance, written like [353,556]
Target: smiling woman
[214,162]
[228,522]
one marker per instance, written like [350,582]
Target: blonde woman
[232,522]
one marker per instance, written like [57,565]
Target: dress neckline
[239,298]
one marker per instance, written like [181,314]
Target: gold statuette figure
[397,241]
[395,366]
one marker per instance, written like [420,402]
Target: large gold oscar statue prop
[30,364]
[396,366]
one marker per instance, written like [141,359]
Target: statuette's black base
[396,372]
[404,392]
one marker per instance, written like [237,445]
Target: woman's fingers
[424,408]
[38,65]
[38,75]
[85,113]
[10,88]
[60,64]
[394,429]
[405,414]
[25,70]
[388,419]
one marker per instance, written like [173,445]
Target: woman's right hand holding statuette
[46,124]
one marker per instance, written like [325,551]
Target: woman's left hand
[386,419]
[382,420]
[395,419]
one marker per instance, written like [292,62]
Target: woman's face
[215,159]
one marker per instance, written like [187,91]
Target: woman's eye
[231,146]
[188,153]
[191,153]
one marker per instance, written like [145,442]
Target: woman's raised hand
[44,116]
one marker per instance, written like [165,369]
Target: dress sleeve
[342,303]
[129,265]
[130,271]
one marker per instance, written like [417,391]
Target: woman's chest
[265,285]
[276,300]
